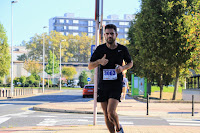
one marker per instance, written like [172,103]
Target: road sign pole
[96,69]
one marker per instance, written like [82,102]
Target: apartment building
[69,24]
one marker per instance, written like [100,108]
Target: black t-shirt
[115,56]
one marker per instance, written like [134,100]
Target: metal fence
[16,92]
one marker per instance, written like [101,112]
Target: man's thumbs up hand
[103,61]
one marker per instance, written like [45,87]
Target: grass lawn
[165,89]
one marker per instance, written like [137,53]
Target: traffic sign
[88,79]
[92,49]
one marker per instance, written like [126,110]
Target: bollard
[147,104]
[0,93]
[192,105]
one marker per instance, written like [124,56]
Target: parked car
[88,90]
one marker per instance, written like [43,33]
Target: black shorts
[104,94]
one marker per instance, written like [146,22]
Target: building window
[123,23]
[126,29]
[67,21]
[117,29]
[90,29]
[75,21]
[90,23]
[65,27]
[62,33]
[61,20]
[75,33]
[126,36]
[90,34]
[73,27]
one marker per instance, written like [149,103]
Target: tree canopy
[4,53]
[69,72]
[160,39]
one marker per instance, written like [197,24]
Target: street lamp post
[60,62]
[53,65]
[43,59]
[12,89]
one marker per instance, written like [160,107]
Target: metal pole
[53,65]
[43,60]
[192,105]
[96,69]
[147,104]
[12,89]
[60,65]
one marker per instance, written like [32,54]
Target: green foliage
[53,64]
[4,53]
[36,83]
[31,79]
[16,79]
[22,80]
[83,79]
[69,72]
[22,57]
[36,76]
[160,39]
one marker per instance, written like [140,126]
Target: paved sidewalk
[102,129]
[129,107]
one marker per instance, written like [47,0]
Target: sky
[30,16]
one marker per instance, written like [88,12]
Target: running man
[110,57]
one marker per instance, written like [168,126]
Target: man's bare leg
[111,112]
[109,124]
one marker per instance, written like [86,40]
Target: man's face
[110,36]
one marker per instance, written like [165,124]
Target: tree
[74,48]
[22,80]
[32,67]
[31,80]
[69,72]
[158,39]
[79,47]
[22,57]
[83,79]
[148,43]
[53,64]
[4,53]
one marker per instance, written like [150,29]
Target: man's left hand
[118,68]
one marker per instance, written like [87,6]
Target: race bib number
[109,74]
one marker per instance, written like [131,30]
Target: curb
[64,111]
[141,99]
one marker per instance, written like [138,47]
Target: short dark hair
[111,26]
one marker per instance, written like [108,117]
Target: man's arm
[119,69]
[103,61]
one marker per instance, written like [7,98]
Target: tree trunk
[161,86]
[48,82]
[176,83]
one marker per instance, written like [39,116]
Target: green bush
[36,83]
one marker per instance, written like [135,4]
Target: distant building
[69,24]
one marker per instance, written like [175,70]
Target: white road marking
[47,122]
[1,105]
[3,119]
[189,121]
[184,124]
